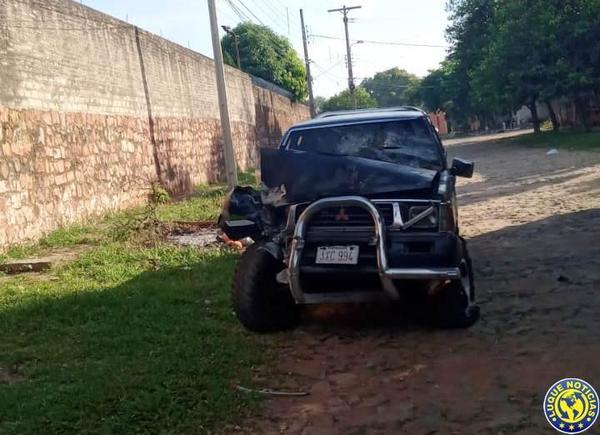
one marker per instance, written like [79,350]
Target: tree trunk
[582,113]
[534,117]
[553,117]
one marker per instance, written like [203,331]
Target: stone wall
[92,110]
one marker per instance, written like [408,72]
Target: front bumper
[389,256]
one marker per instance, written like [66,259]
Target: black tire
[451,308]
[260,303]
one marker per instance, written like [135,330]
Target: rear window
[407,142]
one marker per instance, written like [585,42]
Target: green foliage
[158,195]
[267,55]
[438,90]
[205,203]
[319,101]
[510,53]
[345,101]
[393,87]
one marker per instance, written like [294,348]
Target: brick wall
[92,110]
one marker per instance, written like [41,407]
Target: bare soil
[533,227]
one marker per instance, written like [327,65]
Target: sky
[398,21]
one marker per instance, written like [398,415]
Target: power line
[368,41]
[273,18]
[242,16]
[326,72]
[224,12]
[284,14]
[251,13]
[328,69]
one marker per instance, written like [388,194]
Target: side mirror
[462,168]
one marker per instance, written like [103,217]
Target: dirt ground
[532,222]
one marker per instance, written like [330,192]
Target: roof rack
[378,109]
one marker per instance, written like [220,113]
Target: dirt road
[533,226]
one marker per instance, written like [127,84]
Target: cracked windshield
[409,142]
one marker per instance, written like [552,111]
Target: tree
[519,62]
[473,24]
[319,101]
[511,53]
[267,55]
[393,87]
[345,101]
[577,25]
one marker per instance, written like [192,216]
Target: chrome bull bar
[386,274]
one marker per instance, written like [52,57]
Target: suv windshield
[408,142]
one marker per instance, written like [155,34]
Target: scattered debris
[552,152]
[199,238]
[240,245]
[271,392]
[202,234]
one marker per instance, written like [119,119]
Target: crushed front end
[347,228]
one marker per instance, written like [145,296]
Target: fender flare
[273,249]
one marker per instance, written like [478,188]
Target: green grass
[205,204]
[127,338]
[563,139]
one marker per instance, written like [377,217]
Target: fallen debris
[271,392]
[27,265]
[202,234]
[199,238]
[240,245]
[51,259]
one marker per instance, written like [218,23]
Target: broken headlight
[448,215]
[428,219]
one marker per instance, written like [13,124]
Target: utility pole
[344,10]
[230,166]
[311,99]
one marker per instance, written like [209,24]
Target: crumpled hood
[310,176]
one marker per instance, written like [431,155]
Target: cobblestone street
[531,221]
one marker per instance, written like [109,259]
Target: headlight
[429,220]
[448,216]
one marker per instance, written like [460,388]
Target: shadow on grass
[155,353]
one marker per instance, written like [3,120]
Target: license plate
[337,254]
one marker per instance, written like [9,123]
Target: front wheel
[454,306]
[260,303]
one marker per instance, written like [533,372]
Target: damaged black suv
[354,206]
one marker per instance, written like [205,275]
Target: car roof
[362,115]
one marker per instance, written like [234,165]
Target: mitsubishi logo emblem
[342,216]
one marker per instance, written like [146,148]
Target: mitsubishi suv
[354,206]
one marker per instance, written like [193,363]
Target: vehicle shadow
[525,262]
[145,354]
